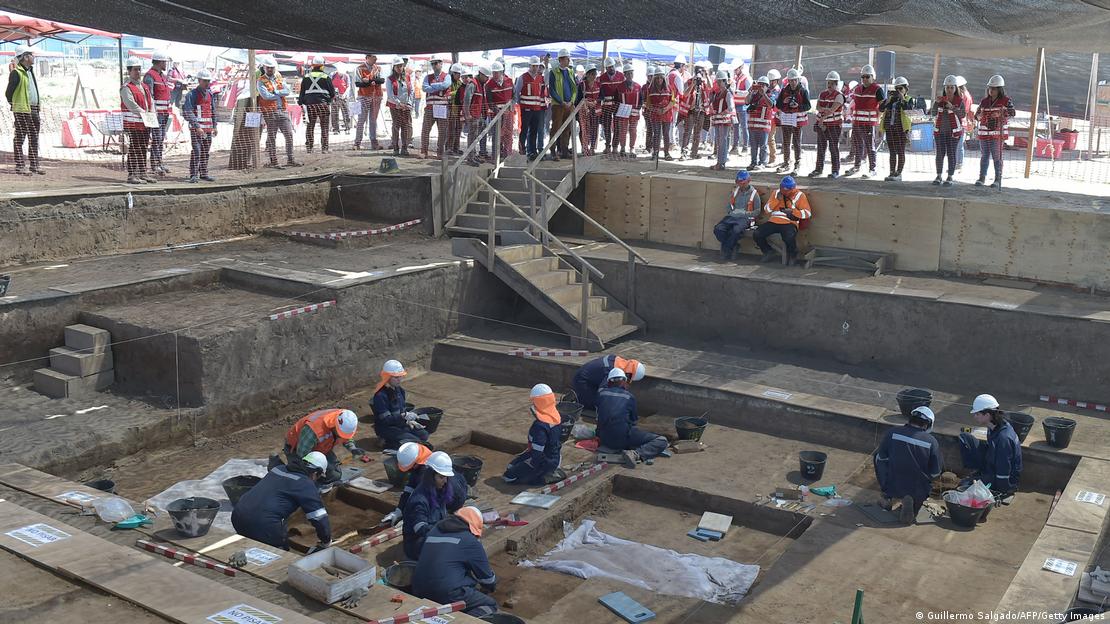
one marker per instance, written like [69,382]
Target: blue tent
[629,49]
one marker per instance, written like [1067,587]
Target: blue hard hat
[743,176]
[788,183]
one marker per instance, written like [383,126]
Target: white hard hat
[867,71]
[925,413]
[564,53]
[853,84]
[347,423]
[609,62]
[833,76]
[540,390]
[763,80]
[579,68]
[434,59]
[316,460]
[617,373]
[535,60]
[399,60]
[773,75]
[204,74]
[996,81]
[497,67]
[722,74]
[318,60]
[627,68]
[591,67]
[793,74]
[23,49]
[641,370]
[485,70]
[133,61]
[160,56]
[950,81]
[393,367]
[704,64]
[901,81]
[407,455]
[441,463]
[960,81]
[983,402]
[455,68]
[681,58]
[466,70]
[269,61]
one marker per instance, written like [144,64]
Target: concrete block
[620,203]
[80,363]
[677,210]
[58,385]
[87,338]
[1090,475]
[909,227]
[835,218]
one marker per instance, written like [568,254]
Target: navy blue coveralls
[998,460]
[589,379]
[541,458]
[616,420]
[389,419]
[458,485]
[423,510]
[452,566]
[907,461]
[262,514]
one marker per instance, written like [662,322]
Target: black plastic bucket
[192,517]
[910,399]
[1080,614]
[1058,431]
[569,411]
[236,487]
[104,485]
[690,427]
[502,618]
[399,575]
[393,471]
[1021,422]
[963,515]
[470,467]
[434,415]
[812,464]
[5,282]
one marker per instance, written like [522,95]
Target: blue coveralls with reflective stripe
[262,513]
[907,461]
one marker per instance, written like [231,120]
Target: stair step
[620,331]
[552,279]
[481,222]
[80,363]
[528,268]
[574,305]
[543,173]
[516,186]
[58,385]
[570,294]
[87,338]
[523,199]
[481,208]
[605,321]
[519,253]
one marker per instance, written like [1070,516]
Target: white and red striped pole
[308,309]
[187,557]
[422,614]
[554,487]
[380,538]
[1073,403]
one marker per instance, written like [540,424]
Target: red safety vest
[827,100]
[141,93]
[759,117]
[340,81]
[533,92]
[994,118]
[478,100]
[659,103]
[396,85]
[438,98]
[720,113]
[592,95]
[740,90]
[610,86]
[945,120]
[686,103]
[205,119]
[273,85]
[865,105]
[499,93]
[323,423]
[630,94]
[792,105]
[161,91]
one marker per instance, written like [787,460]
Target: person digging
[321,431]
[616,424]
[262,514]
[906,463]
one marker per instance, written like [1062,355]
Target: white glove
[392,517]
[410,416]
[415,425]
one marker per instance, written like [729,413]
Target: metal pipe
[1033,113]
[1091,105]
[584,320]
[491,234]
[631,282]
[586,217]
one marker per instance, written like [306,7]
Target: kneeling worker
[319,431]
[997,462]
[429,503]
[540,463]
[394,424]
[616,423]
[593,374]
[453,565]
[413,458]
[262,513]
[907,461]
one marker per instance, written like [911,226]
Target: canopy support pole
[1033,113]
[798,59]
[936,73]
[1093,91]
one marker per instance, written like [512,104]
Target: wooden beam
[798,58]
[936,73]
[1033,113]
[604,54]
[1093,91]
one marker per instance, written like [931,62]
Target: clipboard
[150,120]
[252,120]
[624,111]
[439,111]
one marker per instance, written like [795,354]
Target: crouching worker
[906,463]
[616,423]
[996,462]
[540,463]
[590,378]
[413,458]
[454,565]
[394,424]
[262,514]
[320,431]
[743,207]
[789,211]
[428,503]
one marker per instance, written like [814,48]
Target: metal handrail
[472,143]
[555,135]
[449,190]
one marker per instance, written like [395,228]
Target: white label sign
[624,110]
[354,108]
[1090,497]
[150,120]
[80,498]
[788,119]
[775,394]
[252,120]
[243,614]
[38,534]
[260,557]
[113,122]
[439,111]
[1060,566]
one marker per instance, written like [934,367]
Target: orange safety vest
[323,423]
[141,93]
[161,91]
[826,101]
[273,85]
[591,93]
[610,85]
[533,92]
[735,192]
[994,118]
[781,209]
[659,103]
[631,95]
[366,73]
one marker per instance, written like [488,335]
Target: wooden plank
[677,210]
[715,522]
[835,218]
[1034,588]
[174,593]
[909,227]
[716,205]
[1091,475]
[620,203]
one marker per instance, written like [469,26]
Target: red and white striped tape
[548,353]
[186,556]
[554,487]
[380,538]
[422,614]
[302,310]
[356,233]
[1084,404]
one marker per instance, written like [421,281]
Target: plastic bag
[113,509]
[975,496]
[582,432]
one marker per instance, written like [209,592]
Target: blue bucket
[921,137]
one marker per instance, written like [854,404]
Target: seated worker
[413,458]
[540,463]
[319,431]
[392,422]
[789,210]
[262,514]
[428,503]
[996,462]
[454,565]
[616,423]
[907,462]
[743,207]
[589,379]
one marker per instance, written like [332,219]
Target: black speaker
[716,55]
[884,67]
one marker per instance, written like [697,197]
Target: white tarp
[586,552]
[212,487]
